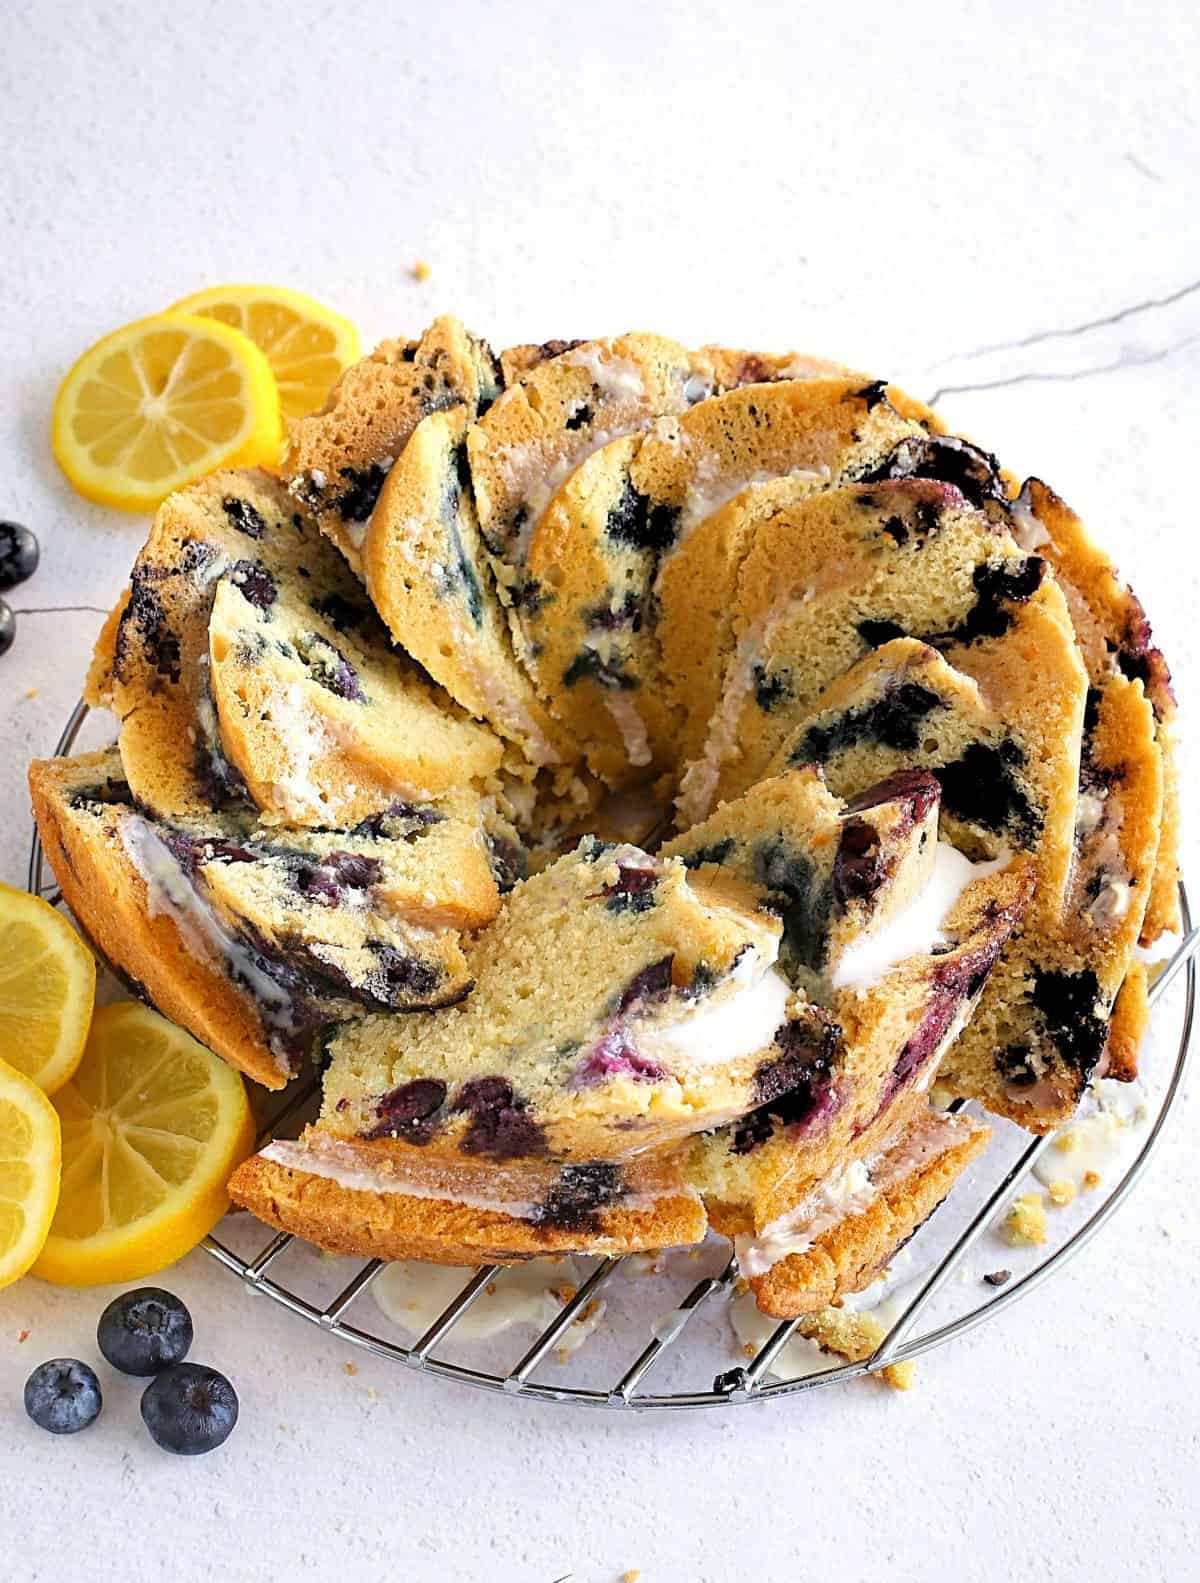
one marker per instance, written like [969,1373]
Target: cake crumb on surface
[1091,1179]
[998,1277]
[1062,1192]
[631,1576]
[900,1376]
[1025,1223]
[350,1368]
[421,270]
[31,692]
[22,1335]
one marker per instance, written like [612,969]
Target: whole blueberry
[189,1409]
[63,1396]
[19,554]
[8,626]
[144,1331]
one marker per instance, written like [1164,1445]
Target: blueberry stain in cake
[642,524]
[997,586]
[894,720]
[410,1112]
[606,618]
[633,888]
[146,616]
[652,984]
[500,1127]
[355,501]
[244,517]
[508,860]
[330,881]
[873,394]
[615,1054]
[398,821]
[343,615]
[800,900]
[717,852]
[581,415]
[980,788]
[590,665]
[771,688]
[1067,1004]
[576,1198]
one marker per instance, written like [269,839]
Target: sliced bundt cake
[249,665]
[338,458]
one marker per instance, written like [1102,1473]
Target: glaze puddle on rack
[662,1337]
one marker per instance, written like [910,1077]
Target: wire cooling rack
[940,1250]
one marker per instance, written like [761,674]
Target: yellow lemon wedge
[152,1126]
[158,404]
[29,1164]
[306,344]
[47,987]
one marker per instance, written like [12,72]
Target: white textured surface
[890,186]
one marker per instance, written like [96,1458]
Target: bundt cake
[641,771]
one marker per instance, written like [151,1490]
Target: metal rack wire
[748,1383]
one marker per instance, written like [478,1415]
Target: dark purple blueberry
[796,894]
[144,1331]
[330,668]
[873,393]
[509,862]
[500,1126]
[633,889]
[189,1409]
[797,1087]
[244,517]
[328,881]
[858,868]
[581,414]
[651,984]
[408,1112]
[146,617]
[255,583]
[975,473]
[893,720]
[615,1055]
[19,554]
[63,1396]
[581,1191]
[918,788]
[356,501]
[399,821]
[8,626]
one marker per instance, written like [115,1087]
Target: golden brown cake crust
[396,1226]
[108,897]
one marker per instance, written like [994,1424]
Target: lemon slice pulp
[158,404]
[47,985]
[306,344]
[29,1162]
[152,1126]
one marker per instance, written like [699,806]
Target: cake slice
[253,938]
[1115,638]
[662,997]
[337,459]
[431,580]
[542,427]
[850,1224]
[833,872]
[249,666]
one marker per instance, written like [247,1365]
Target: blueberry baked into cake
[633,776]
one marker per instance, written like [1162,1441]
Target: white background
[896,186]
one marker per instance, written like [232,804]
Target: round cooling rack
[631,1334]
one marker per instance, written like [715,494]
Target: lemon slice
[152,1127]
[306,344]
[47,986]
[29,1161]
[160,403]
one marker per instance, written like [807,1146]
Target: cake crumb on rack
[1025,1223]
[900,1376]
